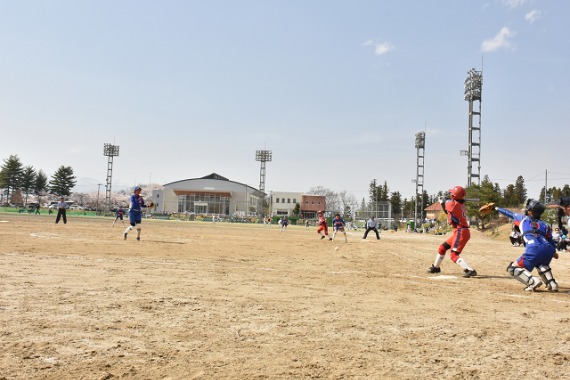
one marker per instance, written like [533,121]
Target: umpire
[371,225]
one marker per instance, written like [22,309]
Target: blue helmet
[137,188]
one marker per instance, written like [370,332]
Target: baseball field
[197,300]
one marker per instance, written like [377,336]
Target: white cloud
[499,41]
[513,3]
[532,16]
[380,48]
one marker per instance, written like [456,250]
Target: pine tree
[62,181]
[11,175]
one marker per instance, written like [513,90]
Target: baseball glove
[486,209]
[151,204]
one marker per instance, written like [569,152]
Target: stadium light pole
[420,144]
[110,151]
[473,88]
[263,156]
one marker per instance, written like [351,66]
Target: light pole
[110,151]
[420,147]
[472,93]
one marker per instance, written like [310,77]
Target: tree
[348,203]
[297,209]
[11,175]
[40,185]
[28,182]
[62,181]
[520,190]
[331,197]
[396,201]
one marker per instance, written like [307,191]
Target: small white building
[283,203]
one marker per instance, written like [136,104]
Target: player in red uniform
[323,228]
[456,217]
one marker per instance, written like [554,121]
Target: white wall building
[283,203]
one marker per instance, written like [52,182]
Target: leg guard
[545,274]
[524,276]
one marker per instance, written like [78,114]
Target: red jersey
[456,214]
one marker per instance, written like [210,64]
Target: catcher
[539,251]
[136,203]
[457,217]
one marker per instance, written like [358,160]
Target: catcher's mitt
[151,204]
[486,209]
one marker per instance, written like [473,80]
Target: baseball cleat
[433,269]
[469,273]
[125,236]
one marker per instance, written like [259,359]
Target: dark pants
[61,215]
[372,229]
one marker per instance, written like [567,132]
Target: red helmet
[457,193]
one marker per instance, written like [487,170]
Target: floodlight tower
[110,151]
[473,90]
[420,147]
[263,156]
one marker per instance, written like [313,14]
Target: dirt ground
[197,300]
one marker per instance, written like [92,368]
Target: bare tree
[332,199]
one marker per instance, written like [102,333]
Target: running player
[136,204]
[322,227]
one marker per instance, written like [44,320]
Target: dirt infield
[196,300]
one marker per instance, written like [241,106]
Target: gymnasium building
[212,194]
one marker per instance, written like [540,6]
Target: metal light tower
[420,146]
[263,156]
[110,151]
[473,90]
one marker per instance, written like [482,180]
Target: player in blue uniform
[339,225]
[119,215]
[539,251]
[136,203]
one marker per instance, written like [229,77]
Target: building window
[288,200]
[276,200]
[282,200]
[294,200]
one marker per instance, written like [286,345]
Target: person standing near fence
[61,211]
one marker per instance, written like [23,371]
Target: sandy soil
[196,300]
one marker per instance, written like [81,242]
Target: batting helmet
[136,188]
[535,207]
[457,193]
[564,201]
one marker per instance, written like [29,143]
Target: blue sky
[336,90]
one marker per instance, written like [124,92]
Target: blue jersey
[136,202]
[540,248]
[338,223]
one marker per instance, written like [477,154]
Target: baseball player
[136,203]
[119,215]
[456,217]
[339,226]
[323,228]
[539,251]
